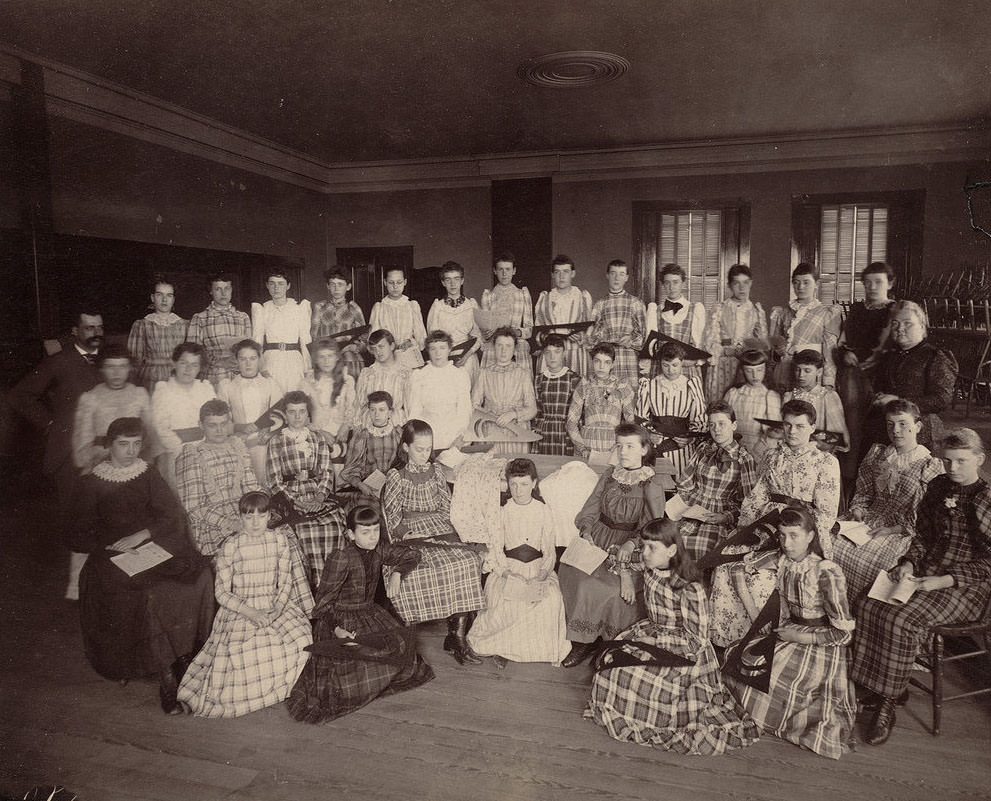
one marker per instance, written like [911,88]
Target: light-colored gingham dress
[215,329]
[393,379]
[243,667]
[327,319]
[505,388]
[811,701]
[416,504]
[750,402]
[597,407]
[511,307]
[889,488]
[683,709]
[622,320]
[151,342]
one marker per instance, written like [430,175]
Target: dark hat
[539,333]
[670,425]
[655,340]
[457,351]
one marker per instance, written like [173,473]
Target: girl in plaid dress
[416,505]
[506,390]
[891,482]
[338,314]
[732,321]
[810,701]
[554,387]
[599,404]
[621,320]
[301,478]
[155,336]
[255,651]
[385,373]
[335,684]
[509,306]
[950,558]
[685,709]
[755,399]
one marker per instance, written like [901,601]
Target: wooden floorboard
[473,733]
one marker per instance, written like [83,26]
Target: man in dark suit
[47,397]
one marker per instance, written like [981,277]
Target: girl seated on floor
[809,700]
[360,651]
[523,620]
[671,696]
[255,651]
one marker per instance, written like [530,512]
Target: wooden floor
[473,733]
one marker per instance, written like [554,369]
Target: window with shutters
[842,234]
[705,238]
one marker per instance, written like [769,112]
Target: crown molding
[75,95]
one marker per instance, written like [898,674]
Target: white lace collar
[630,477]
[164,320]
[118,475]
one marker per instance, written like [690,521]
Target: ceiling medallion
[573,68]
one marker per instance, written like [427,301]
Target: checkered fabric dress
[553,400]
[718,480]
[404,320]
[813,326]
[729,324]
[622,320]
[210,482]
[151,342]
[244,667]
[681,398]
[326,318]
[393,379]
[811,701]
[216,329]
[889,488]
[749,402]
[808,474]
[505,388]
[597,407]
[329,687]
[416,504]
[369,450]
[682,709]
[513,307]
[572,306]
[953,537]
[299,466]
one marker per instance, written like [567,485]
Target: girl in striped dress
[732,321]
[599,404]
[155,336]
[810,700]
[416,506]
[673,394]
[527,626]
[678,317]
[684,708]
[255,651]
[566,303]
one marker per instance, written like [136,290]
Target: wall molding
[84,98]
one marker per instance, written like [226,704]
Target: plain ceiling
[363,80]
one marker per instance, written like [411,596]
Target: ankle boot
[883,723]
[580,651]
[462,651]
[451,640]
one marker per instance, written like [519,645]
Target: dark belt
[608,521]
[809,621]
[523,553]
[282,346]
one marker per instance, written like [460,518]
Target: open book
[858,533]
[375,480]
[583,555]
[142,558]
[891,592]
[676,509]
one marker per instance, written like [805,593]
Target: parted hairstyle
[964,439]
[214,408]
[379,334]
[439,336]
[738,269]
[254,501]
[673,269]
[363,515]
[124,427]
[633,430]
[903,406]
[667,532]
[337,373]
[605,348]
[721,407]
[297,396]
[801,517]
[413,429]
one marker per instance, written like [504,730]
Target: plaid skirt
[811,701]
[319,537]
[700,538]
[682,709]
[861,563]
[593,606]
[890,637]
[448,581]
[328,688]
[555,438]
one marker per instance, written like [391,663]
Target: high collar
[118,475]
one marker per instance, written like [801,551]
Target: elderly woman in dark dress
[913,369]
[142,624]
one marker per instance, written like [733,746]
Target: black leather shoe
[580,651]
[884,722]
[457,627]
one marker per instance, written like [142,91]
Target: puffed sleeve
[830,336]
[865,492]
[392,506]
[978,569]
[419,332]
[258,322]
[639,325]
[136,344]
[303,314]
[541,315]
[527,322]
[698,326]
[832,588]
[575,408]
[85,452]
[495,555]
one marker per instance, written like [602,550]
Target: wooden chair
[978,630]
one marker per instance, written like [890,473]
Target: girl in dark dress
[333,685]
[137,625]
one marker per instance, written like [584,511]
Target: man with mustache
[47,397]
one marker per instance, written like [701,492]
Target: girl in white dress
[523,619]
[282,326]
[455,314]
[440,393]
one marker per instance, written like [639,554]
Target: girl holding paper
[606,602]
[950,558]
[891,482]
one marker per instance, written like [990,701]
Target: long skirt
[854,388]
[448,581]
[811,701]
[523,631]
[721,376]
[861,563]
[134,627]
[683,709]
[320,536]
[330,687]
[593,605]
[890,637]
[728,617]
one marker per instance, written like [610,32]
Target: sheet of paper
[696,512]
[376,480]
[583,555]
[142,558]
[452,457]
[890,592]
[855,531]
[675,507]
